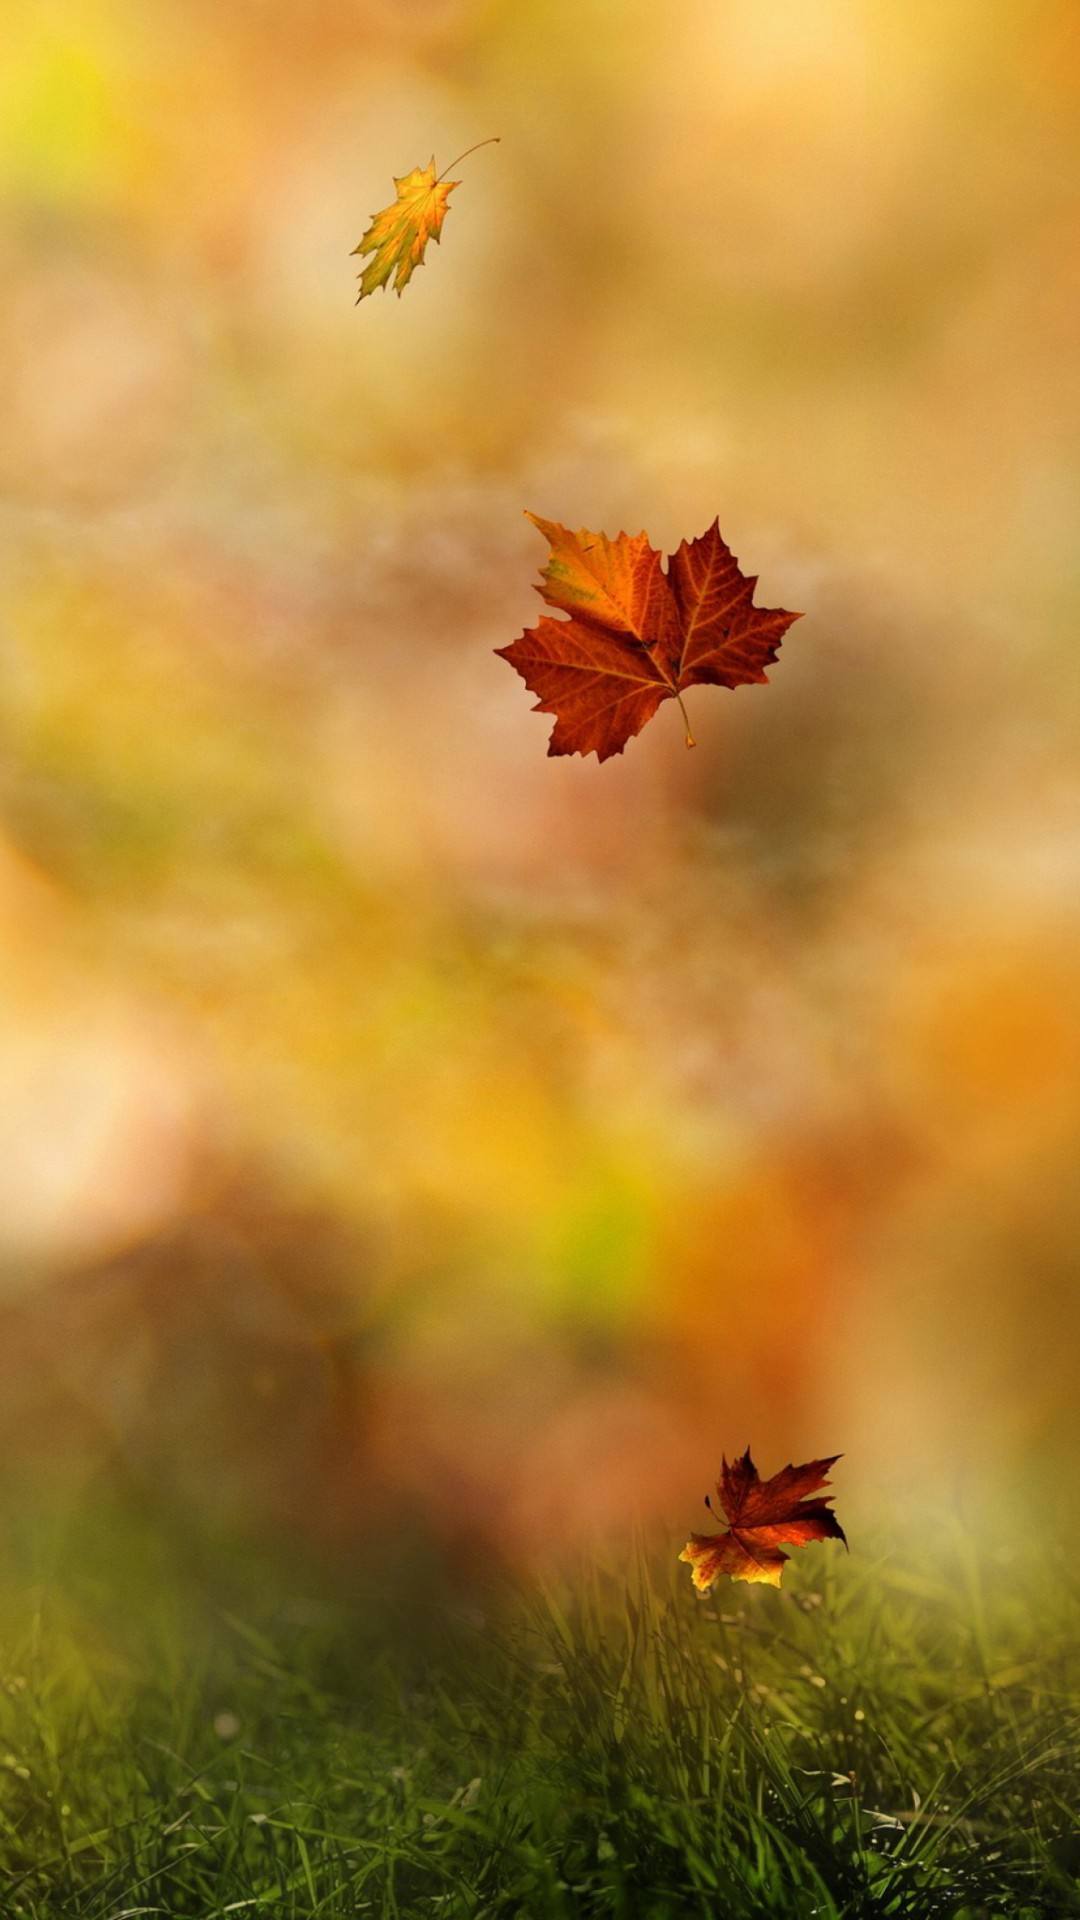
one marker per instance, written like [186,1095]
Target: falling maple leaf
[638,636]
[762,1516]
[399,234]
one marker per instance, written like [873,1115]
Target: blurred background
[399,1130]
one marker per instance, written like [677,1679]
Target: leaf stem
[492,142]
[690,741]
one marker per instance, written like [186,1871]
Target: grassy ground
[878,1739]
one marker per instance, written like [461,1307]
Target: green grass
[880,1738]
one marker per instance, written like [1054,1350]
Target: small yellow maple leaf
[399,234]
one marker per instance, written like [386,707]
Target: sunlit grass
[877,1739]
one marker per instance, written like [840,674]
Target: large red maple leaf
[762,1516]
[638,636]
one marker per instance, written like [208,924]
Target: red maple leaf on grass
[762,1516]
[638,636]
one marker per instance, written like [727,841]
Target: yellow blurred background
[400,1127]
